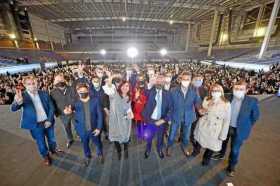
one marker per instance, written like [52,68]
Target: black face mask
[83,95]
[142,84]
[61,84]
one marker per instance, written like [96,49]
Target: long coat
[212,128]
[119,124]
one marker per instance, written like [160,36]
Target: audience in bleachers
[258,82]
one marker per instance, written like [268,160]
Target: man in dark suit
[244,114]
[88,119]
[155,115]
[184,100]
[96,90]
[37,116]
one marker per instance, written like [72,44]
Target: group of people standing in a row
[158,104]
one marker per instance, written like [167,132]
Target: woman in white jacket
[212,127]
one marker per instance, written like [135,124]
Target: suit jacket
[28,116]
[96,116]
[151,104]
[248,115]
[185,106]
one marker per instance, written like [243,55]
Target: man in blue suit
[184,100]
[155,115]
[96,90]
[88,119]
[244,114]
[37,116]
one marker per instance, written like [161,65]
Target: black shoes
[86,162]
[147,154]
[119,155]
[160,154]
[126,154]
[69,144]
[195,153]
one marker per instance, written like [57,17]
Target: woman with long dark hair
[120,113]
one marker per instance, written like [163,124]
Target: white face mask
[99,74]
[239,93]
[185,83]
[168,79]
[80,75]
[216,95]
[198,83]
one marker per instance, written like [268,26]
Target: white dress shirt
[40,111]
[157,110]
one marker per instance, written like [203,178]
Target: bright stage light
[124,19]
[163,52]
[12,36]
[171,22]
[132,52]
[103,52]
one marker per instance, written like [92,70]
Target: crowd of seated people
[258,82]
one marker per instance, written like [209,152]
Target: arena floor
[21,165]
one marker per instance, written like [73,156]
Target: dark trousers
[207,156]
[39,134]
[119,148]
[235,147]
[67,125]
[139,129]
[86,141]
[195,144]
[160,135]
[207,153]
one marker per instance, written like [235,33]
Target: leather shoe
[147,154]
[160,154]
[69,144]
[86,162]
[47,161]
[57,152]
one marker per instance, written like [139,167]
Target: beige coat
[212,128]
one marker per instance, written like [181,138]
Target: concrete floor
[21,165]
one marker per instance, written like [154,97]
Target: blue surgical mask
[198,83]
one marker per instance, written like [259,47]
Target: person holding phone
[88,121]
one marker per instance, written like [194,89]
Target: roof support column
[212,33]
[269,28]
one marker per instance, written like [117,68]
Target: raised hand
[68,110]
[18,96]
[96,132]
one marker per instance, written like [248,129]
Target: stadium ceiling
[150,14]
